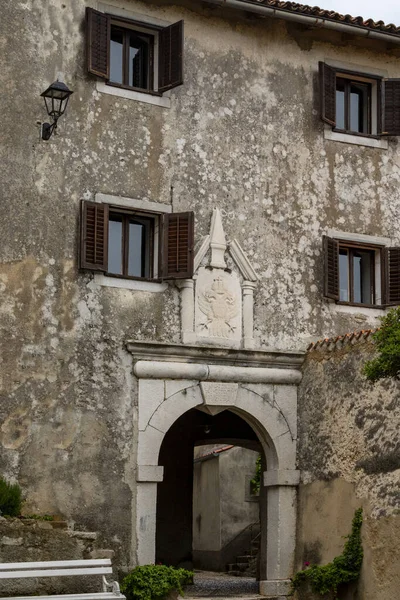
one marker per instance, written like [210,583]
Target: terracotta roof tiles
[347,338]
[330,15]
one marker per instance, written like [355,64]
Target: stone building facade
[164,266]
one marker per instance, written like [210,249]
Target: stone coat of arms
[220,306]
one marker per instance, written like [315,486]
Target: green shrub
[343,569]
[10,499]
[255,483]
[387,342]
[150,582]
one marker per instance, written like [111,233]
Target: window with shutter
[331,268]
[98,43]
[170,58]
[177,246]
[134,244]
[361,274]
[94,236]
[390,107]
[327,78]
[392,275]
[359,104]
[134,55]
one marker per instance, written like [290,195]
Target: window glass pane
[340,117]
[136,258]
[116,55]
[139,53]
[115,245]
[362,276]
[359,107]
[344,276]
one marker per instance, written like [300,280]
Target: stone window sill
[162,101]
[357,140]
[129,284]
[356,310]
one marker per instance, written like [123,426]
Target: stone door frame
[260,387]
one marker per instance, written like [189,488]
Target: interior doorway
[203,520]
[226,510]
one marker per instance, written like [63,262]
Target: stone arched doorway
[175,544]
[262,389]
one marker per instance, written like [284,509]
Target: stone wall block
[151,395]
[174,407]
[219,394]
[285,399]
[149,446]
[173,386]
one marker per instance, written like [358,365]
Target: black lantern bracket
[56,100]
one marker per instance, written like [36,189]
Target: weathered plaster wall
[243,134]
[222,503]
[238,511]
[32,540]
[349,456]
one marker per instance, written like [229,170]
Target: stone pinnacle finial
[217,241]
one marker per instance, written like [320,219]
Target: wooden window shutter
[177,245]
[94,236]
[98,27]
[170,57]
[390,107]
[327,80]
[331,268]
[392,275]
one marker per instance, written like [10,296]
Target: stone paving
[208,584]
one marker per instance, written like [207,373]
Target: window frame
[151,32]
[168,55]
[372,80]
[172,244]
[384,104]
[154,258]
[348,82]
[375,248]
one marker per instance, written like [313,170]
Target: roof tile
[335,341]
[306,10]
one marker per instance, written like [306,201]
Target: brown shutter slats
[327,79]
[392,267]
[98,26]
[94,236]
[177,253]
[170,57]
[390,107]
[331,268]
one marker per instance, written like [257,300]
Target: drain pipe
[319,22]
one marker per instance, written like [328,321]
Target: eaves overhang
[313,16]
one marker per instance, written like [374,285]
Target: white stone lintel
[150,473]
[283,477]
[203,372]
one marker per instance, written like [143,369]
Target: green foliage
[10,499]
[387,340]
[343,569]
[151,582]
[256,481]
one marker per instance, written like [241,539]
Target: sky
[385,10]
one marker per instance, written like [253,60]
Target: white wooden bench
[63,568]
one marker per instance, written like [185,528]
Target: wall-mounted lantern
[56,99]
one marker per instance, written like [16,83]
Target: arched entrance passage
[263,395]
[175,493]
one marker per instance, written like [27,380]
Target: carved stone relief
[217,304]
